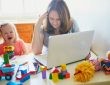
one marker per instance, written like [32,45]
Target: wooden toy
[43,70]
[55,77]
[63,67]
[6,58]
[9,50]
[54,74]
[67,75]
[61,76]
[50,76]
[31,67]
[24,71]
[25,78]
[14,83]
[64,72]
[7,69]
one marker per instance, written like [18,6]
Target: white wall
[93,14]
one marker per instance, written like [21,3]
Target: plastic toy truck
[6,72]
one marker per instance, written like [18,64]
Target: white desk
[99,78]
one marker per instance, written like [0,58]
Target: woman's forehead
[53,13]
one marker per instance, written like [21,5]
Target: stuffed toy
[84,71]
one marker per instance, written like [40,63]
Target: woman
[55,21]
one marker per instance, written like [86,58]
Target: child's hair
[11,25]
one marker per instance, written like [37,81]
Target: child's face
[8,33]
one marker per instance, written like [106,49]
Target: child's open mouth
[9,38]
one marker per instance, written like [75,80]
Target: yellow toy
[8,48]
[84,71]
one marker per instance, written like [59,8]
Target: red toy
[6,72]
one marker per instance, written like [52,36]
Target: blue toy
[14,83]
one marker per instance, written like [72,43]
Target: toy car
[6,72]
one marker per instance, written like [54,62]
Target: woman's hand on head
[43,16]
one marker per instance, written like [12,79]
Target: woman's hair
[11,25]
[61,8]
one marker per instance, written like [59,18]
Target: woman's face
[54,19]
[8,33]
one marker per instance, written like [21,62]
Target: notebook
[66,48]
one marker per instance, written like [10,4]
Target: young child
[11,38]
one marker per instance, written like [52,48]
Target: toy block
[63,67]
[54,70]
[6,58]
[31,67]
[7,69]
[18,75]
[64,72]
[67,75]
[36,65]
[50,76]
[11,54]
[42,68]
[8,48]
[14,83]
[24,71]
[27,77]
[8,65]
[23,68]
[55,77]
[44,74]
[60,76]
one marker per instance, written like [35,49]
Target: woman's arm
[38,36]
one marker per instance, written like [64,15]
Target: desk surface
[99,78]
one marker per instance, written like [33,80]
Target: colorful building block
[6,58]
[23,71]
[67,75]
[43,70]
[63,67]
[6,72]
[31,67]
[55,74]
[50,76]
[14,83]
[60,76]
[44,74]
[27,77]
[55,77]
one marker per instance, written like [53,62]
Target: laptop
[66,48]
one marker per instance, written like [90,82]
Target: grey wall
[93,14]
